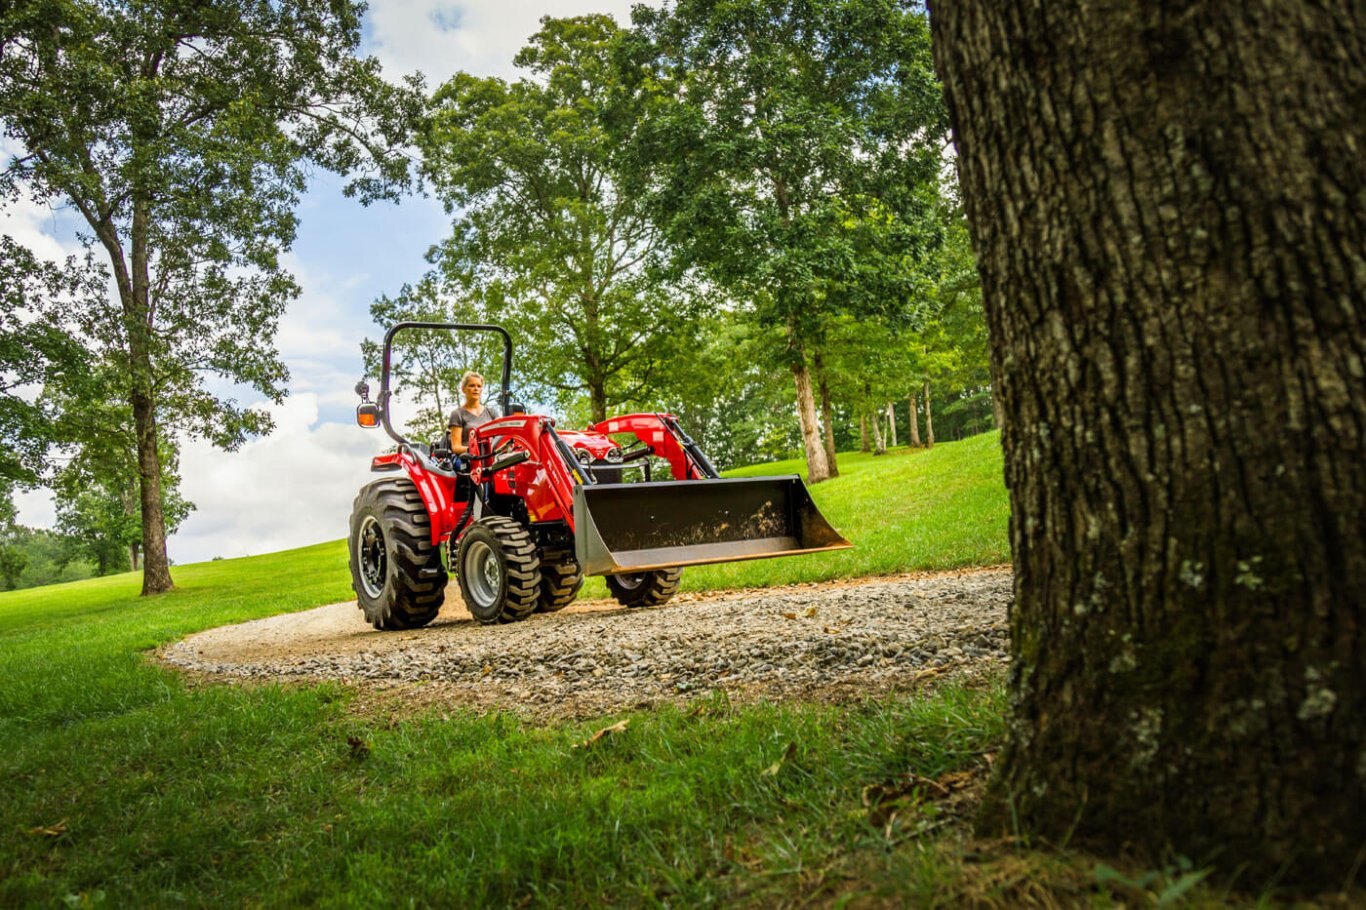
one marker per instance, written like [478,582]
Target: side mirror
[367,415]
[363,390]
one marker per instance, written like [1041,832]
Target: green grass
[122,785]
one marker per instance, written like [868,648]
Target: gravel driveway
[832,640]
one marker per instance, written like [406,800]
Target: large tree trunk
[817,468]
[891,423]
[915,422]
[156,567]
[827,417]
[1169,208]
[929,418]
[879,443]
[597,399]
[863,432]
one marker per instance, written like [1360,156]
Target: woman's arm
[457,438]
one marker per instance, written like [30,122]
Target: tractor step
[636,527]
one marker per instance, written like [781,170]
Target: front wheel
[560,583]
[644,589]
[500,574]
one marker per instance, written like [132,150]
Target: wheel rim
[483,573]
[374,560]
[631,582]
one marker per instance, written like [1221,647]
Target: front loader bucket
[634,527]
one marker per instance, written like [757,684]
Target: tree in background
[33,352]
[181,133]
[96,491]
[728,397]
[41,557]
[1168,212]
[883,366]
[946,354]
[545,241]
[792,151]
[13,559]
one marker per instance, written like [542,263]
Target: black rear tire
[395,571]
[560,584]
[644,589]
[499,571]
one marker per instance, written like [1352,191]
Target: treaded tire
[499,571]
[395,571]
[644,589]
[560,583]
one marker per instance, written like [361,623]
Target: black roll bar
[384,393]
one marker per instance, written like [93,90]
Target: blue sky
[295,486]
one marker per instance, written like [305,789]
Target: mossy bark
[1169,207]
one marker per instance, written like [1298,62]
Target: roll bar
[382,400]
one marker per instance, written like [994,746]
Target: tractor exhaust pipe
[637,527]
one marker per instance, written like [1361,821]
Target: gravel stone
[838,639]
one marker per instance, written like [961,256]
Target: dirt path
[834,640]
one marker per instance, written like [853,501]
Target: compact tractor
[531,510]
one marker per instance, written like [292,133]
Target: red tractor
[532,510]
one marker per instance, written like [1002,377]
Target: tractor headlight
[583,455]
[614,455]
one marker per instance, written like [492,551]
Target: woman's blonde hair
[465,380]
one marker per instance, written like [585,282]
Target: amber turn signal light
[367,415]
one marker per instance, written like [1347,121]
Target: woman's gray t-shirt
[466,421]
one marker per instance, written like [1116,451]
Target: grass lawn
[122,785]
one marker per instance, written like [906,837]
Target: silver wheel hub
[483,573]
[631,582]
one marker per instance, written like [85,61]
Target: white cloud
[46,231]
[289,489]
[36,508]
[480,36]
[320,334]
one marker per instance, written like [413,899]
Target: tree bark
[597,400]
[1168,211]
[827,417]
[863,433]
[915,422]
[156,566]
[817,468]
[929,418]
[891,423]
[879,444]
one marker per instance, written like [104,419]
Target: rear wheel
[500,574]
[560,583]
[395,571]
[644,589]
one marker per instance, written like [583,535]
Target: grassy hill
[120,783]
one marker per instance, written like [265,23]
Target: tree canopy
[181,134]
[545,240]
[793,151]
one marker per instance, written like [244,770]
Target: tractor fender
[434,485]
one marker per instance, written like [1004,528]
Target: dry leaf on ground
[54,830]
[618,727]
[777,766]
